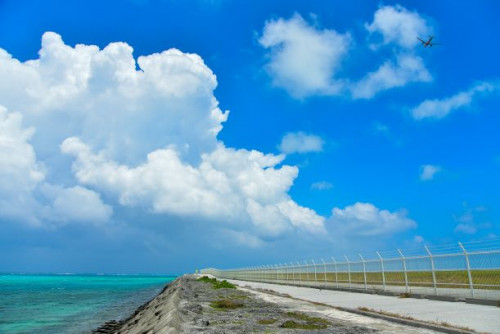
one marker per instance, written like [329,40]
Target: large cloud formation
[85,133]
[144,137]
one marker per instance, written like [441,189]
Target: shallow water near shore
[71,303]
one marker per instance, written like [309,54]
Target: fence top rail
[424,254]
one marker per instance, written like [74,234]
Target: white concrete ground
[477,317]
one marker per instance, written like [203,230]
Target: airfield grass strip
[482,279]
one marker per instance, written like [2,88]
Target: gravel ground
[191,306]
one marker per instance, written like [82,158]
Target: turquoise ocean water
[71,303]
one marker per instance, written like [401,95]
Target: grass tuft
[297,325]
[308,318]
[223,285]
[304,321]
[225,304]
[404,295]
[267,321]
[217,284]
[207,279]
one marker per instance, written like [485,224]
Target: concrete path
[477,317]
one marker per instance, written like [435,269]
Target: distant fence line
[461,270]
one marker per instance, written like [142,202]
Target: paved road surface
[477,317]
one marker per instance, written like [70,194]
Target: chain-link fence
[459,270]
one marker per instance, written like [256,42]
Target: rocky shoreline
[191,305]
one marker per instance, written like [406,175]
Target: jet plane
[427,42]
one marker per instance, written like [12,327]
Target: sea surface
[71,303]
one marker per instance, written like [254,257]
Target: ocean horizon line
[87,274]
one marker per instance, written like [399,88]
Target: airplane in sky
[428,42]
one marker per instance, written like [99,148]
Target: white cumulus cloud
[366,220]
[300,142]
[405,69]
[22,178]
[20,173]
[304,59]
[441,108]
[229,186]
[399,29]
[427,172]
[75,204]
[100,96]
[397,24]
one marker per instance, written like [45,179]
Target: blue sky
[164,136]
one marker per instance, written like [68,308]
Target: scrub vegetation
[217,284]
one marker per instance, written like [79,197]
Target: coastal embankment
[193,304]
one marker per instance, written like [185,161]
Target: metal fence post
[324,269]
[434,283]
[297,270]
[300,271]
[382,267]
[293,272]
[467,263]
[315,272]
[404,269]
[277,273]
[306,270]
[336,275]
[348,271]
[364,271]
